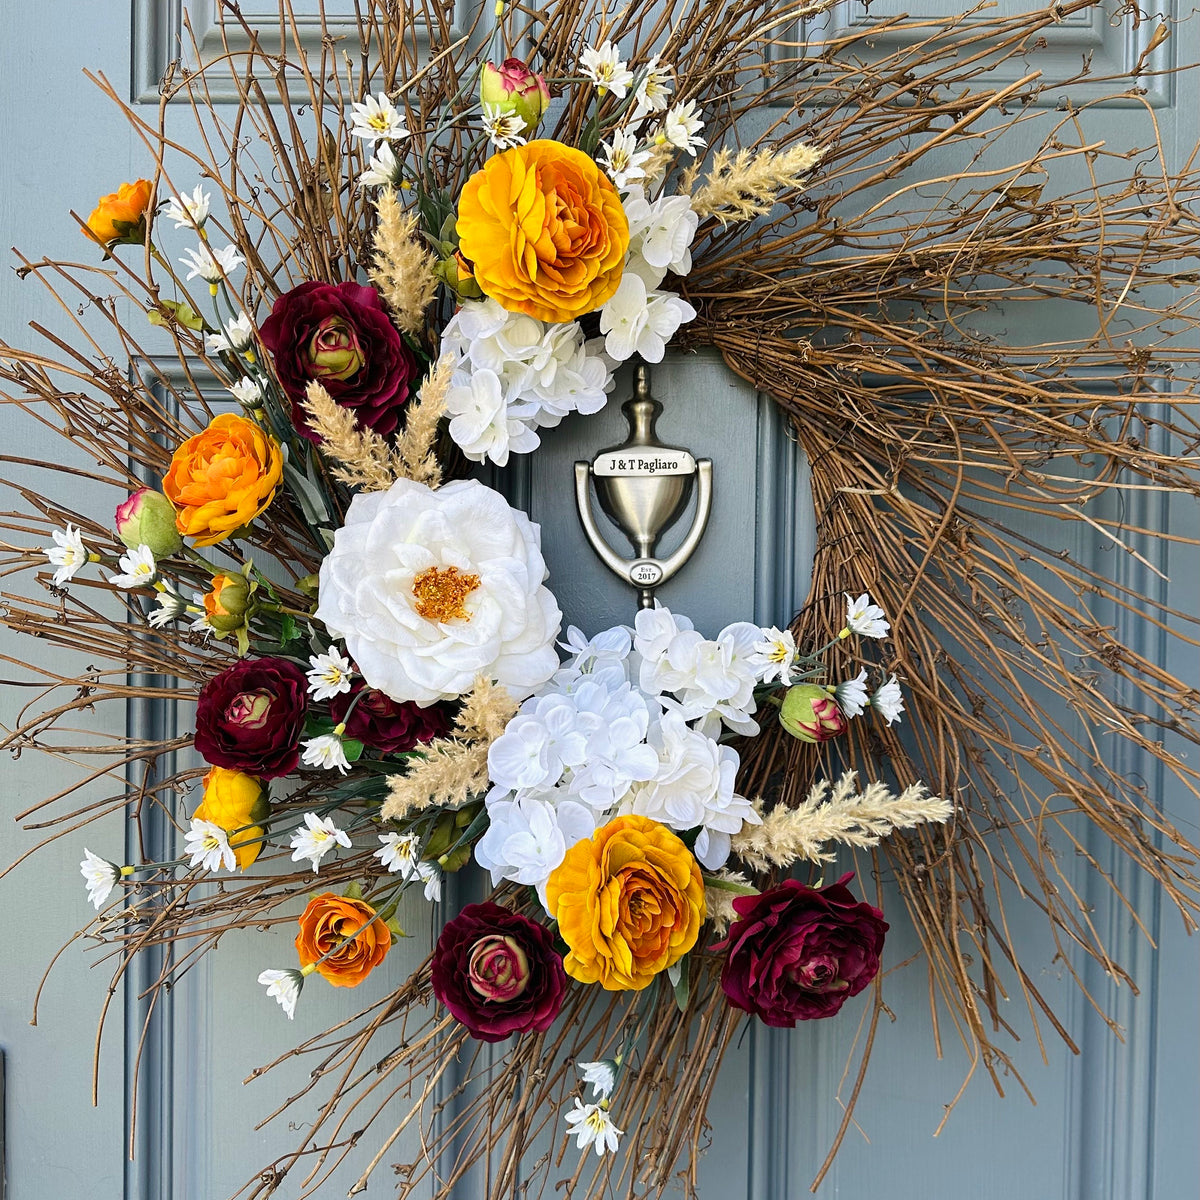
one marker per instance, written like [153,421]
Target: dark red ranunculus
[250,717]
[498,972]
[341,335]
[797,952]
[389,725]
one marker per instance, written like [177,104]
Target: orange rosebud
[545,231]
[221,479]
[629,902]
[120,216]
[236,802]
[330,919]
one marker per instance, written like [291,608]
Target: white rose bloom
[660,235]
[430,588]
[638,321]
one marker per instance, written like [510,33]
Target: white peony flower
[138,568]
[851,696]
[189,212]
[325,751]
[99,875]
[401,854]
[592,1126]
[864,618]
[654,91]
[315,838]
[637,321]
[208,844]
[211,265]
[623,161]
[430,588]
[329,674]
[888,701]
[238,336]
[377,120]
[603,66]
[601,1075]
[503,129]
[660,236]
[483,424]
[383,170]
[283,986]
[774,656]
[682,125]
[68,553]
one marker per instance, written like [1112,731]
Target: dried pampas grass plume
[414,456]
[358,457]
[402,269]
[747,184]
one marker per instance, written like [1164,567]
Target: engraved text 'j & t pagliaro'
[643,487]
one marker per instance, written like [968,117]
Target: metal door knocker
[643,487]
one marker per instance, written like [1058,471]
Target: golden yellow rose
[544,231]
[629,903]
[119,214]
[236,801]
[223,478]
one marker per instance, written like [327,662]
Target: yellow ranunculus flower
[235,800]
[223,478]
[629,903]
[119,215]
[544,230]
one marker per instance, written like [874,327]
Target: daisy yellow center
[440,592]
[779,652]
[379,121]
[596,1121]
[211,841]
[320,836]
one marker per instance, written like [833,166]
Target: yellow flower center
[379,121]
[440,592]
[779,652]
[596,1121]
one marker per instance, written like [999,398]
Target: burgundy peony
[250,717]
[389,725]
[498,973]
[341,335]
[797,952]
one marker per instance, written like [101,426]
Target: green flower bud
[514,88]
[147,518]
[810,713]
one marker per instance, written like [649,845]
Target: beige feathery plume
[402,269]
[744,185]
[843,815]
[718,901]
[454,769]
[357,456]
[414,457]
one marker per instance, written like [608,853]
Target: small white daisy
[377,120]
[851,696]
[383,170]
[655,89]
[864,618]
[503,129]
[189,212]
[170,605]
[208,844]
[682,125]
[238,336]
[315,838]
[325,751]
[329,674]
[68,553]
[138,568]
[623,161]
[603,66]
[401,854]
[593,1126]
[888,701]
[211,265]
[283,986]
[247,392]
[100,876]
[199,615]
[601,1075]
[774,656]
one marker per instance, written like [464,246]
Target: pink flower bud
[498,969]
[514,88]
[147,518]
[811,714]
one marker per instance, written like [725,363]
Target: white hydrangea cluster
[515,375]
[629,724]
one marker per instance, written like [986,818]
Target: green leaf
[289,631]
[180,310]
[680,977]
[352,749]
[353,890]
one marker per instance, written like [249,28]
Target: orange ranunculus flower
[236,801]
[223,478]
[329,919]
[629,903]
[544,230]
[119,215]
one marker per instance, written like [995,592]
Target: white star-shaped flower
[592,1126]
[851,696]
[383,170]
[601,1075]
[623,161]
[774,656]
[315,838]
[283,986]
[377,120]
[208,844]
[865,618]
[888,701]
[170,605]
[247,392]
[325,751]
[189,212]
[401,854]
[238,336]
[655,89]
[211,265]
[329,674]
[100,876]
[68,553]
[682,125]
[603,66]
[138,568]
[503,129]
